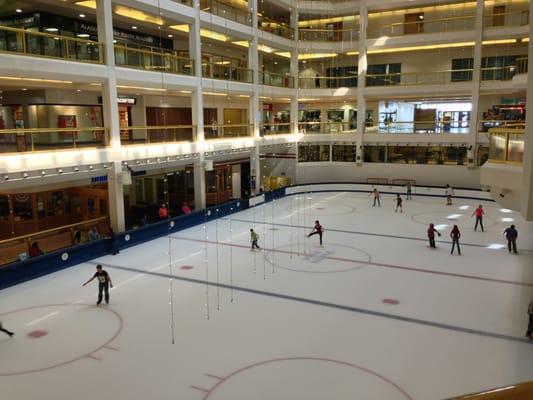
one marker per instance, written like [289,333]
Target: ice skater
[377,197]
[8,333]
[511,234]
[455,234]
[431,235]
[408,190]
[398,203]
[449,195]
[479,217]
[317,230]
[254,237]
[530,324]
[104,282]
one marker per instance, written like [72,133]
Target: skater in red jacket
[317,230]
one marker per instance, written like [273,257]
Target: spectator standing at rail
[530,324]
[9,333]
[511,234]
[431,235]
[254,238]
[163,211]
[317,230]
[455,234]
[408,190]
[104,282]
[377,197]
[398,203]
[185,209]
[479,213]
[449,195]
[317,81]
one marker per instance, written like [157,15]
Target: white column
[476,82]
[361,79]
[116,198]
[104,20]
[255,168]
[254,113]
[526,208]
[294,69]
[199,184]
[195,52]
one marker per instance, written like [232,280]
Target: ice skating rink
[373,314]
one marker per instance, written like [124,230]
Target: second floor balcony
[507,144]
[153,59]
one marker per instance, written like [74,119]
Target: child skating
[317,230]
[455,234]
[377,197]
[104,282]
[254,237]
[449,195]
[408,190]
[479,213]
[398,203]
[431,236]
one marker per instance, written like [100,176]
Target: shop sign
[130,101]
[118,34]
[267,107]
[27,21]
[99,179]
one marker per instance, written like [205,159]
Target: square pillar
[362,65]
[116,197]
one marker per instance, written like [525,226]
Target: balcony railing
[521,65]
[157,134]
[225,69]
[450,24]
[273,79]
[324,127]
[486,124]
[277,28]
[515,18]
[280,128]
[328,35]
[49,240]
[226,10]
[13,40]
[42,139]
[155,59]
[327,82]
[507,144]
[421,127]
[215,131]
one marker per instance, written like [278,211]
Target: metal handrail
[328,35]
[521,391]
[35,131]
[219,8]
[221,131]
[266,78]
[63,40]
[153,130]
[279,29]
[52,230]
[229,71]
[176,64]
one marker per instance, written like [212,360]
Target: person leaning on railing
[530,325]
[35,250]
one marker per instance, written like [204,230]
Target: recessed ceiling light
[170,35]
[51,29]
[83,35]
[82,15]
[18,10]
[24,89]
[78,90]
[133,27]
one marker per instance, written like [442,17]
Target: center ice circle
[306,378]
[313,258]
[57,328]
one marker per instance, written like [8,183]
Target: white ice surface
[262,346]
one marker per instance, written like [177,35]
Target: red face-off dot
[37,334]
[186,267]
[391,301]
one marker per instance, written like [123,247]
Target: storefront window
[56,204]
[375,154]
[22,207]
[344,153]
[4,208]
[211,182]
[313,153]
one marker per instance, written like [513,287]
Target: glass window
[482,155]
[375,154]
[345,153]
[497,146]
[22,207]
[313,153]
[4,208]
[462,69]
[211,182]
[56,204]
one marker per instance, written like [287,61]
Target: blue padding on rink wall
[32,268]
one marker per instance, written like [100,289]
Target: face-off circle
[313,258]
[45,336]
[306,378]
